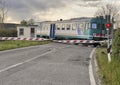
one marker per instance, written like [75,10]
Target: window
[63,28]
[94,25]
[58,28]
[33,30]
[63,25]
[68,28]
[21,31]
[81,26]
[73,26]
[87,26]
[103,26]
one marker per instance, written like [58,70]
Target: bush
[116,44]
[8,33]
[109,72]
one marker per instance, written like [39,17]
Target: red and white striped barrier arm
[17,38]
[75,41]
[79,41]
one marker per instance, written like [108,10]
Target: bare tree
[3,11]
[108,9]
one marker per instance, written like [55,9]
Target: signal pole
[109,36]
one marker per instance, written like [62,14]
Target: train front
[98,29]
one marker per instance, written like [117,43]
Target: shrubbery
[116,44]
[8,33]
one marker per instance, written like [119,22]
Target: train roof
[82,19]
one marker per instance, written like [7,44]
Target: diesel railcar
[77,28]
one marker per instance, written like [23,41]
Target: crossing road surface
[51,64]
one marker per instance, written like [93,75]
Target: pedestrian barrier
[17,38]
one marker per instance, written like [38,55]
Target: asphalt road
[51,64]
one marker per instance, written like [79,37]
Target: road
[51,64]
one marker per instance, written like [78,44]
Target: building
[8,25]
[27,31]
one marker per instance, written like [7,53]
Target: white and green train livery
[77,28]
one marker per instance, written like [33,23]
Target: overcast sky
[42,10]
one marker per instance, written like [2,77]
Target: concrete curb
[95,69]
[91,75]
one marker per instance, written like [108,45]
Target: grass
[6,45]
[109,72]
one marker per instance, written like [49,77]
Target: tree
[108,9]
[23,22]
[3,11]
[30,22]
[116,44]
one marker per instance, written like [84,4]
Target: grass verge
[6,45]
[109,72]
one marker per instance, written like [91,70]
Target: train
[84,28]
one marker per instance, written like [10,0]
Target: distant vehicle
[76,28]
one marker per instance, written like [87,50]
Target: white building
[27,31]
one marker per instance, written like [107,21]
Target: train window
[63,25]
[68,25]
[103,26]
[81,26]
[68,28]
[73,26]
[87,26]
[63,28]
[94,26]
[98,26]
[58,28]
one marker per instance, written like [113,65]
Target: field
[6,45]
[109,72]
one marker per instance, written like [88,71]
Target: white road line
[31,59]
[91,75]
[18,64]
[16,49]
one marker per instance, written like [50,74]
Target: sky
[51,10]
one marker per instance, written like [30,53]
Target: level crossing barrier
[80,41]
[17,38]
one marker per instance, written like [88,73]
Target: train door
[52,31]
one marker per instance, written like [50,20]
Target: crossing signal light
[108,25]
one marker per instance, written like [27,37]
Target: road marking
[18,64]
[31,59]
[91,75]
[16,49]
